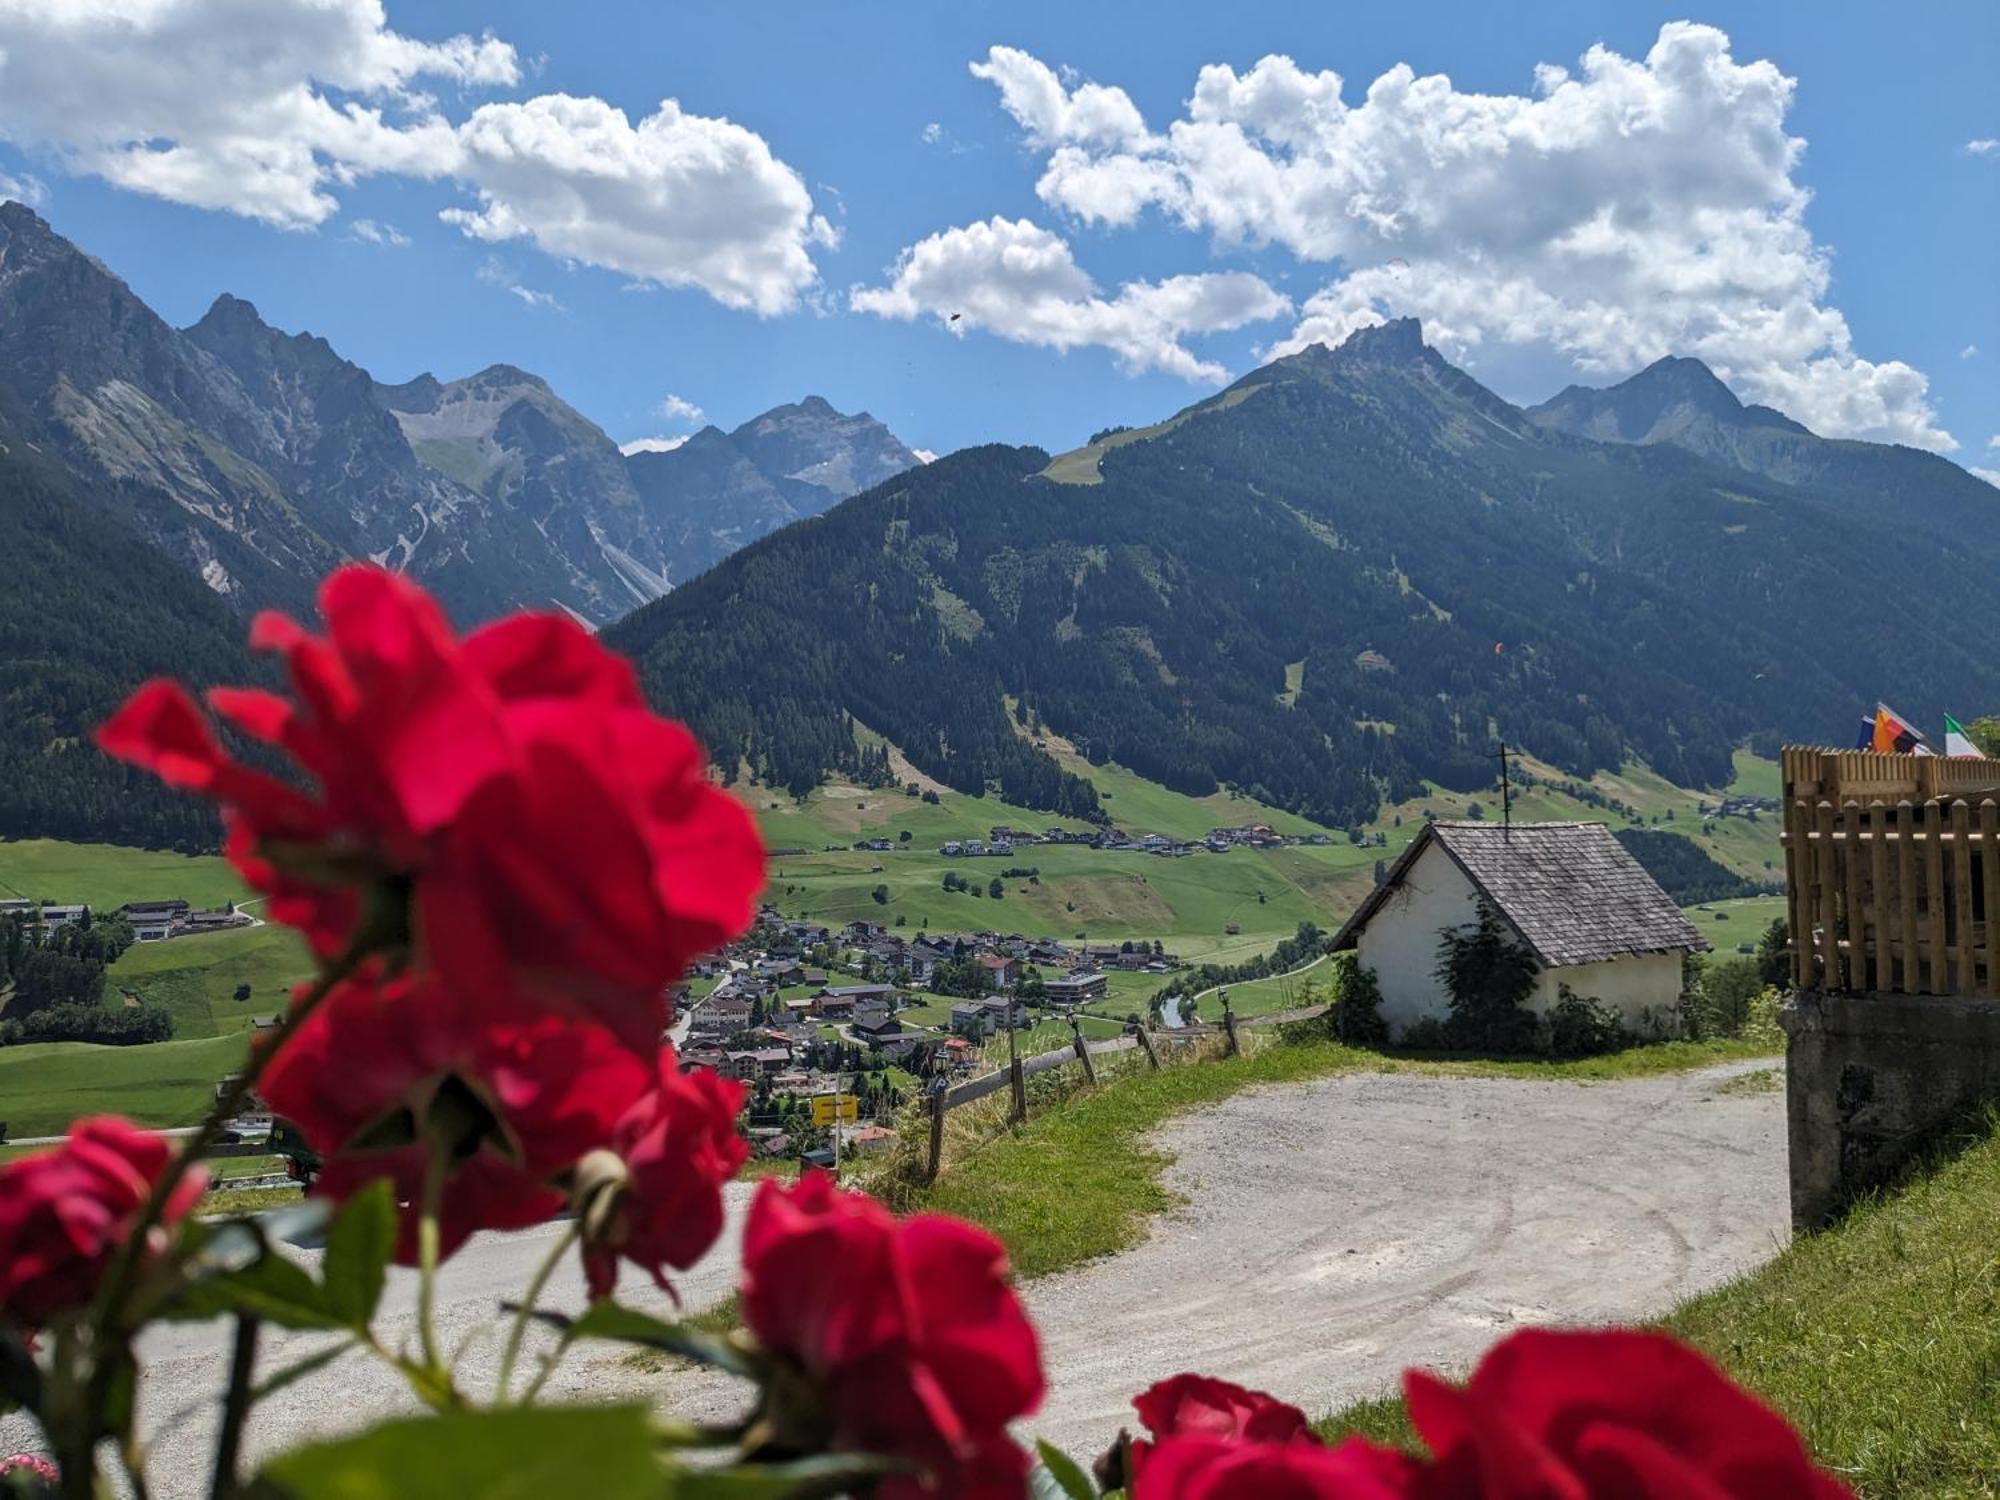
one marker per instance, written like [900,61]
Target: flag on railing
[1893,734]
[1957,742]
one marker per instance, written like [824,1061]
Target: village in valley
[800,1009]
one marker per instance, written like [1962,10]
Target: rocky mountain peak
[1674,399]
[1394,341]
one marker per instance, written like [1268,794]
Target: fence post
[1229,1026]
[1017,1081]
[1082,1051]
[937,1129]
[1146,1046]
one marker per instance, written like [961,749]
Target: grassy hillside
[197,977]
[1188,903]
[108,875]
[1879,1338]
[46,1085]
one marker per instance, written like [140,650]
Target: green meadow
[106,876]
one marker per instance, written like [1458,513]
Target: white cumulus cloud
[1636,208]
[678,409]
[1986,146]
[1991,476]
[269,108]
[676,199]
[652,445]
[1013,278]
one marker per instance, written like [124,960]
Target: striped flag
[1893,734]
[1957,742]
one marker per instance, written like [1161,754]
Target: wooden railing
[1892,872]
[942,1100]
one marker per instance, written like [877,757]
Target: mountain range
[1348,574]
[1345,576]
[258,459]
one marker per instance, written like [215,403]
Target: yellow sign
[830,1107]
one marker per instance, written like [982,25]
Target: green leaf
[358,1247]
[605,1319]
[1065,1471]
[523,1453]
[275,1289]
[829,1474]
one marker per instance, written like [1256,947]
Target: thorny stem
[427,1253]
[106,1333]
[525,1313]
[235,1407]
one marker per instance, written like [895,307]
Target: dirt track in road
[1338,1231]
[1333,1233]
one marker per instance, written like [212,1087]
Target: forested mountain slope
[88,609]
[1431,569]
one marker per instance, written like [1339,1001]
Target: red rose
[556,842]
[1198,1406]
[1601,1414]
[590,877]
[679,1146]
[908,1332]
[65,1212]
[1212,1468]
[382,1065]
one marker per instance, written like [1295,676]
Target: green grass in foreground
[45,1085]
[1081,1180]
[1879,1337]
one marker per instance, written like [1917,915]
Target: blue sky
[1112,249]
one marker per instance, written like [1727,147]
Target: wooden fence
[1892,872]
[1015,1076]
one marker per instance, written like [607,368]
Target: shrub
[127,1025]
[1584,1026]
[1728,989]
[1487,974]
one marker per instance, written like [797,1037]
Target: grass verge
[1878,1337]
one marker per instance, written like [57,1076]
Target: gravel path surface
[1334,1232]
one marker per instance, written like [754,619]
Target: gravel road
[1333,1233]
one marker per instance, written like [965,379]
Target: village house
[1594,920]
[999,970]
[1075,989]
[869,1139]
[749,1063]
[153,921]
[874,1029]
[993,1014]
[63,916]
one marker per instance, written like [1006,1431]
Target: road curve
[1333,1233]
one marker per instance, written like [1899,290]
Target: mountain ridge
[259,459]
[1434,567]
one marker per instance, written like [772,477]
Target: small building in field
[1594,920]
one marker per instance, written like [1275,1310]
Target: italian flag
[1956,742]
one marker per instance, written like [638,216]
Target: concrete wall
[1643,989]
[1400,943]
[1870,1080]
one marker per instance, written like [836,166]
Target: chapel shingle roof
[1570,891]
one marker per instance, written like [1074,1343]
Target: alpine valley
[1336,581]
